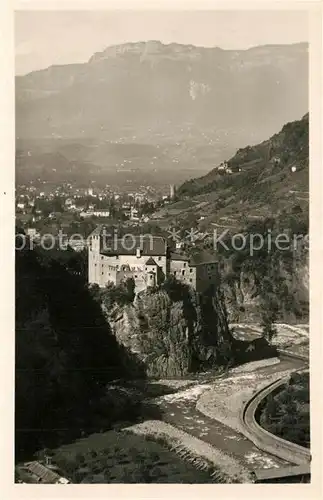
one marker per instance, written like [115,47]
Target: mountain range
[159,106]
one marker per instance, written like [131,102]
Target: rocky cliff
[173,330]
[244,293]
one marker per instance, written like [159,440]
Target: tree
[268,319]
[287,412]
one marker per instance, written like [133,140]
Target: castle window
[184,264]
[174,273]
[146,268]
[136,276]
[101,257]
[183,273]
[159,258]
[191,270]
[191,281]
[117,256]
[102,273]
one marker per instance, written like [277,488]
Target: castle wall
[139,278]
[183,272]
[206,275]
[137,263]
[100,270]
[103,269]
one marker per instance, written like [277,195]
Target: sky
[44,38]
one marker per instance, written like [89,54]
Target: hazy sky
[58,37]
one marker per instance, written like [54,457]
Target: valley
[171,359]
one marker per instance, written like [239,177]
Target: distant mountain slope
[196,104]
[52,167]
[266,178]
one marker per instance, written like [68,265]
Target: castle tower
[94,245]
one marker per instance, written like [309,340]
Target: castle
[148,260]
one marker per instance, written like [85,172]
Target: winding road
[263,439]
[182,413]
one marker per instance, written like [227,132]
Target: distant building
[95,213]
[134,214]
[43,474]
[55,215]
[72,207]
[76,245]
[172,191]
[139,198]
[32,233]
[148,260]
[179,245]
[69,202]
[101,213]
[224,167]
[199,271]
[276,160]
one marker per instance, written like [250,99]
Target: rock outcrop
[174,330]
[243,291]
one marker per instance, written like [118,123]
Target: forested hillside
[287,413]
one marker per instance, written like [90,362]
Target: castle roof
[203,257]
[98,230]
[46,475]
[128,245]
[196,259]
[179,256]
[151,262]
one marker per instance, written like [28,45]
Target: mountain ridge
[220,98]
[140,44]
[197,105]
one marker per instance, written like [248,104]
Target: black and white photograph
[162,247]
